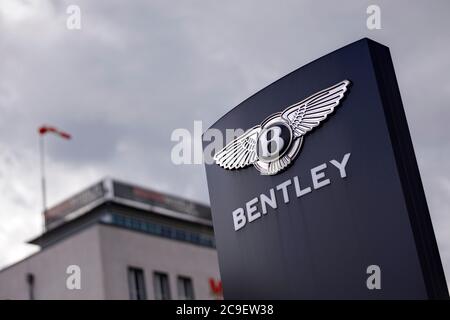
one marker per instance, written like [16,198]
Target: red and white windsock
[44,129]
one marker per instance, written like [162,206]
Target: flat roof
[111,190]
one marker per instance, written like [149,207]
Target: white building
[119,241]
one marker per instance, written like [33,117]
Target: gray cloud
[135,72]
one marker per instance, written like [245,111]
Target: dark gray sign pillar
[370,219]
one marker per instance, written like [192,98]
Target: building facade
[119,241]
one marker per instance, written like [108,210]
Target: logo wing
[310,112]
[240,152]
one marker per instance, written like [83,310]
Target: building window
[185,288]
[30,283]
[161,285]
[136,284]
[162,230]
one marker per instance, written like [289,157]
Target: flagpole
[43,184]
[42,131]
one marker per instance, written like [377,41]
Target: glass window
[185,288]
[161,285]
[136,284]
[136,224]
[30,282]
[166,232]
[163,230]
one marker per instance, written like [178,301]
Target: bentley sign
[336,193]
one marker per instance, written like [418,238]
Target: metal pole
[43,186]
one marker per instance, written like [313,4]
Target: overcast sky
[139,69]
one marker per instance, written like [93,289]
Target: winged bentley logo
[274,144]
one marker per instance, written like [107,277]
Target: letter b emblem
[273,141]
